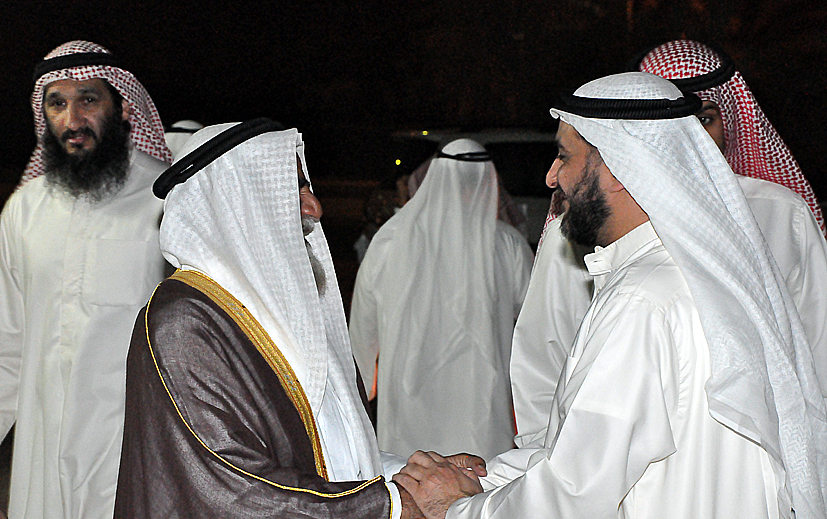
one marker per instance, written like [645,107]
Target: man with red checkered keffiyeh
[781,200]
[744,134]
[79,257]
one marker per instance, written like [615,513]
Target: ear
[610,183]
[126,110]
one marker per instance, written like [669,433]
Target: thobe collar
[604,260]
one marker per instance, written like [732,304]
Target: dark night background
[348,73]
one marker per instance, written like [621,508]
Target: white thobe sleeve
[557,299]
[808,287]
[523,261]
[11,323]
[364,322]
[625,384]
[392,463]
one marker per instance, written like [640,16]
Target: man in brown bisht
[242,393]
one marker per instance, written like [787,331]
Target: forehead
[69,87]
[710,105]
[570,140]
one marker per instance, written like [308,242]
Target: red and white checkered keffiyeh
[753,147]
[147,130]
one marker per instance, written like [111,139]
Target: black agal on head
[202,156]
[80,59]
[471,156]
[632,109]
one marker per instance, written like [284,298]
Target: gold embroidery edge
[266,347]
[184,278]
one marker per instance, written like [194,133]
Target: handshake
[430,483]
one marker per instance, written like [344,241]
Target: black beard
[587,213]
[97,174]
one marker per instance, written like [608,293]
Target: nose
[551,176]
[75,118]
[310,205]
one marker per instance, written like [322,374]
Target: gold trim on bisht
[266,347]
[264,344]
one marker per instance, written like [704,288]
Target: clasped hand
[436,482]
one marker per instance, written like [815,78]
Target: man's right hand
[436,483]
[474,464]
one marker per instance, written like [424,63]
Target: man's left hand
[435,483]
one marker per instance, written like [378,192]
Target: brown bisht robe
[216,423]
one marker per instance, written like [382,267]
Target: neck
[626,216]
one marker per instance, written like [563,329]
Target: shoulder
[783,216]
[508,236]
[179,316]
[28,202]
[33,190]
[756,189]
[377,251]
[653,281]
[145,161]
[145,168]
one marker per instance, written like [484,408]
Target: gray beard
[318,270]
[308,223]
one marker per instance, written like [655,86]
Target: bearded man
[779,195]
[78,258]
[243,398]
[690,389]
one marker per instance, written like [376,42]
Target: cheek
[53,119]
[98,118]
[716,131]
[566,178]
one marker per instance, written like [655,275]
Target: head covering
[83,60]
[763,382]
[236,218]
[753,147]
[178,134]
[507,210]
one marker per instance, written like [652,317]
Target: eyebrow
[89,90]
[82,91]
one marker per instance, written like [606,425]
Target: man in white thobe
[436,298]
[690,390]
[79,257]
[779,195]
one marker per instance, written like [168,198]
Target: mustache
[69,134]
[557,199]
